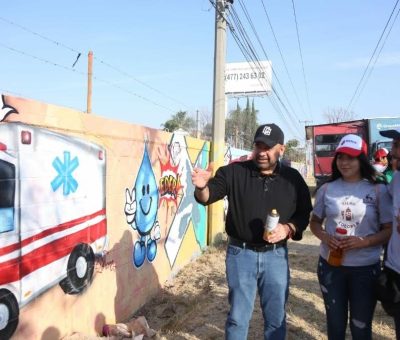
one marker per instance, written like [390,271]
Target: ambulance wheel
[9,313]
[79,270]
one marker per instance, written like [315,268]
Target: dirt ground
[194,305]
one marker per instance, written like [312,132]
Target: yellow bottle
[335,256]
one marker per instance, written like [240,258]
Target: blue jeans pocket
[233,250]
[280,252]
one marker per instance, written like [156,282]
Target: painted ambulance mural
[52,215]
[53,221]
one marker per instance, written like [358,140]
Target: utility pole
[305,122]
[89,89]
[216,210]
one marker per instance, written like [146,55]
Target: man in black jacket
[254,188]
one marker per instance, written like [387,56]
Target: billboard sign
[381,124]
[248,78]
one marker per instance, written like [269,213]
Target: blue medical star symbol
[64,176]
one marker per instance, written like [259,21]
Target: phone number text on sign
[248,78]
[247,75]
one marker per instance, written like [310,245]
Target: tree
[241,125]
[293,152]
[207,131]
[233,127]
[335,115]
[180,120]
[205,123]
[253,124]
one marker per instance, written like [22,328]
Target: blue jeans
[344,287]
[248,271]
[397,325]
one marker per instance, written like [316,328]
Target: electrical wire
[114,68]
[46,61]
[283,59]
[266,55]
[376,58]
[255,58]
[301,57]
[350,105]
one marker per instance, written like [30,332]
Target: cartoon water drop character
[141,212]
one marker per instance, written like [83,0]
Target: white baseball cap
[352,145]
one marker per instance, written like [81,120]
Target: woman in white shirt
[356,212]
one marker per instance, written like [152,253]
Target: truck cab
[324,139]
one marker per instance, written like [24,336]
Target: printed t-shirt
[352,207]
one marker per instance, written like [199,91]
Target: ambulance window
[7,194]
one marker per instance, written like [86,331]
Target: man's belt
[254,246]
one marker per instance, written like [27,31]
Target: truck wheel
[9,313]
[79,270]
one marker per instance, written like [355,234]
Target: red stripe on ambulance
[63,226]
[57,249]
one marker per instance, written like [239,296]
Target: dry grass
[194,306]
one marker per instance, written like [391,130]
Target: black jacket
[252,196]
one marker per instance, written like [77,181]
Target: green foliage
[292,143]
[241,126]
[180,120]
[293,152]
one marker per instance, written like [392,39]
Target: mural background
[154,225]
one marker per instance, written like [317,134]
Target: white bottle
[271,223]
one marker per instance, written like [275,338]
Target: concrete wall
[151,221]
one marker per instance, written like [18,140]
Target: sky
[155,58]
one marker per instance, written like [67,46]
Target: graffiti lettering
[170,186]
[104,263]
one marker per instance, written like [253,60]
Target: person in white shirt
[393,251]
[356,211]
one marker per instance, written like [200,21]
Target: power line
[39,35]
[266,55]
[139,81]
[377,57]
[373,54]
[301,57]
[46,61]
[254,56]
[59,44]
[250,58]
[283,59]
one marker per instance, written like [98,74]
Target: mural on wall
[175,191]
[53,218]
[141,209]
[228,155]
[188,209]
[170,184]
[5,109]
[52,214]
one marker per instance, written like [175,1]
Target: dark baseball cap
[269,134]
[394,134]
